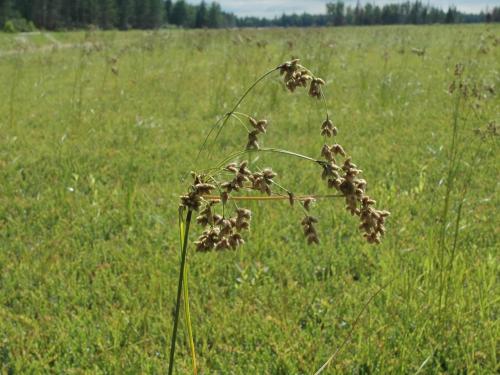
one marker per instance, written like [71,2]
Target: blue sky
[271,8]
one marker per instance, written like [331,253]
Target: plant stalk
[226,117]
[179,290]
[187,317]
[272,150]
[217,198]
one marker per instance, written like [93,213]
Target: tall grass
[88,223]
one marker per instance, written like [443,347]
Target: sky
[271,8]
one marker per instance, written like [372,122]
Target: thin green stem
[452,169]
[217,198]
[227,115]
[187,317]
[184,243]
[241,122]
[454,248]
[242,114]
[202,147]
[251,88]
[273,150]
[356,321]
[323,99]
[465,188]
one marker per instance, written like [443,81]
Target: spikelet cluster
[260,127]
[192,200]
[345,179]
[296,75]
[491,130]
[244,178]
[308,223]
[315,87]
[222,233]
[309,229]
[372,220]
[328,129]
[469,89]
[262,181]
[241,175]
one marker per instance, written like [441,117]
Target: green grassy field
[98,132]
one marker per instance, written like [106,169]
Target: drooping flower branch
[232,179]
[223,231]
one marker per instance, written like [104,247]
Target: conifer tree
[201,15]
[179,13]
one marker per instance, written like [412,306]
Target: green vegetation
[99,130]
[109,14]
[152,14]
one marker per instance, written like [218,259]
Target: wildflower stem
[450,183]
[187,317]
[274,150]
[228,114]
[217,198]
[239,120]
[241,114]
[323,99]
[184,243]
[356,321]
[251,88]
[291,153]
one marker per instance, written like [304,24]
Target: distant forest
[25,15]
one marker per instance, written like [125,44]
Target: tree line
[404,13]
[338,14]
[150,14]
[114,14]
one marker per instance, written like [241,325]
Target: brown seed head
[309,229]
[338,150]
[308,202]
[203,188]
[315,87]
[252,143]
[232,168]
[327,128]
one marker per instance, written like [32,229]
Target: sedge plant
[216,197]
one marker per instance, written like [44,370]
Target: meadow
[98,130]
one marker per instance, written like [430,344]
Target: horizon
[275,8]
